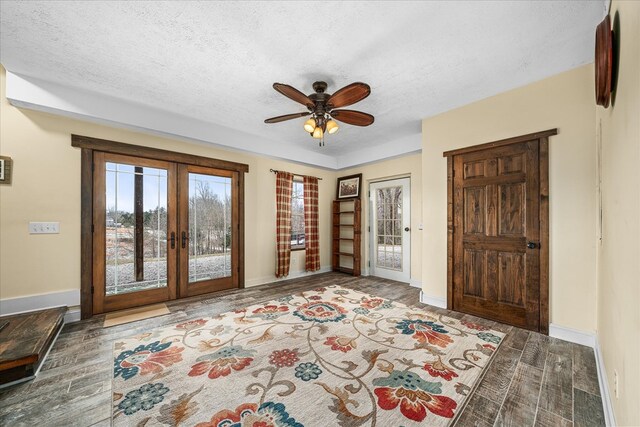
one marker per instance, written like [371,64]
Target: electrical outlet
[44,228]
[615,383]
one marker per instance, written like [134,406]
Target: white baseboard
[435,301]
[572,335]
[590,340]
[293,275]
[415,283]
[609,416]
[70,298]
[72,315]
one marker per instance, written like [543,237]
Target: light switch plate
[44,228]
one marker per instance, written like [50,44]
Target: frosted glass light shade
[332,127]
[310,125]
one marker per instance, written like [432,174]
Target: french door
[162,230]
[390,238]
[208,216]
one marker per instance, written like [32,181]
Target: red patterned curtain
[284,186]
[311,238]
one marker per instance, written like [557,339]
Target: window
[297,215]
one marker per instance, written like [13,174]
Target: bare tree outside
[297,215]
[209,229]
[389,227]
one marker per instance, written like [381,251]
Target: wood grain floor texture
[533,380]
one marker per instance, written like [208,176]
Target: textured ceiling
[216,61]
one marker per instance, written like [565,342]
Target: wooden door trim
[543,171]
[98,239]
[241,241]
[114,147]
[544,233]
[89,146]
[502,142]
[86,234]
[450,233]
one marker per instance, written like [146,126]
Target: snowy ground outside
[390,256]
[155,273]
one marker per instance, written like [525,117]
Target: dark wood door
[496,233]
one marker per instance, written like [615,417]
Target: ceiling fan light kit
[323,108]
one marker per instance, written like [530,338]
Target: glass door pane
[210,242]
[388,205]
[135,228]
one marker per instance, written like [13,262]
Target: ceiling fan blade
[352,117]
[350,94]
[286,117]
[294,94]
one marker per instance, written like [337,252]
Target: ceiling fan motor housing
[320,87]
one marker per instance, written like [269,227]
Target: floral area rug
[327,357]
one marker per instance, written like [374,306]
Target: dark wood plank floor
[533,380]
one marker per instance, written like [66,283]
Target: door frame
[543,175]
[372,232]
[89,146]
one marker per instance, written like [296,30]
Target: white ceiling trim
[40,95]
[401,147]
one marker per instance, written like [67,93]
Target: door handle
[406,229]
[532,245]
[173,240]
[184,239]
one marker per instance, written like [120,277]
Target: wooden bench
[25,340]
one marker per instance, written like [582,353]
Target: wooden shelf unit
[347,235]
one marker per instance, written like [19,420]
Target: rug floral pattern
[331,356]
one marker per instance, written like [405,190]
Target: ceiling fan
[323,106]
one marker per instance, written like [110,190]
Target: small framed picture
[5,170]
[349,186]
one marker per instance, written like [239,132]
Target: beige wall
[619,250]
[566,102]
[46,187]
[407,166]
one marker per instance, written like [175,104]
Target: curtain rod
[295,174]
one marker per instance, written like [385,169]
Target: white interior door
[390,235]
